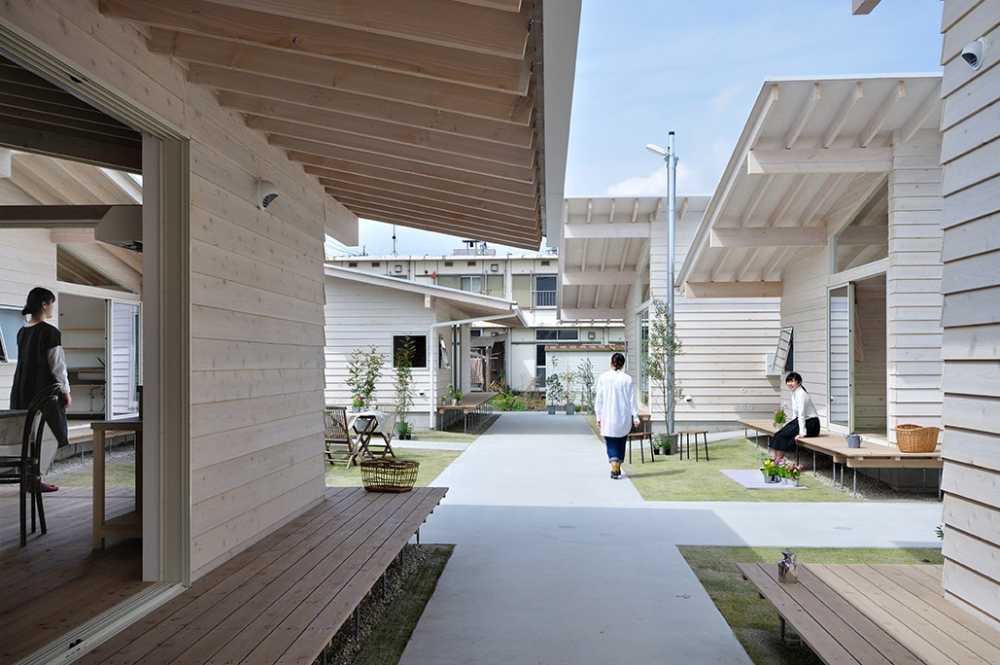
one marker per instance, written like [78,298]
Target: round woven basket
[389,475]
[916,438]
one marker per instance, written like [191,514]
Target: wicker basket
[389,475]
[916,438]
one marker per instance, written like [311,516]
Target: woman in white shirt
[804,420]
[616,410]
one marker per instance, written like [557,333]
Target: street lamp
[670,158]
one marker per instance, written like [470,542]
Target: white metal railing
[545,299]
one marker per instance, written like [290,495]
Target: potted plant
[779,417]
[568,379]
[553,392]
[404,430]
[454,395]
[665,443]
[404,385]
[769,469]
[664,347]
[357,403]
[364,369]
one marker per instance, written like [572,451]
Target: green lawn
[753,619]
[117,473]
[432,462]
[674,479]
[441,435]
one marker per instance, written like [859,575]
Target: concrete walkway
[557,564]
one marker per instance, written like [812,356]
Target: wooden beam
[502,5]
[77,236]
[591,314]
[364,183]
[527,239]
[315,153]
[460,206]
[804,114]
[875,124]
[853,97]
[23,134]
[462,220]
[913,124]
[45,216]
[828,160]
[363,106]
[594,278]
[522,172]
[864,235]
[863,6]
[732,289]
[859,194]
[769,237]
[603,230]
[336,43]
[6,163]
[126,256]
[342,76]
[336,169]
[259,107]
[441,22]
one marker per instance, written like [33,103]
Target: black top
[33,373]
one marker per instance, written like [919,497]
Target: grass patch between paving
[753,619]
[442,435]
[672,479]
[388,639]
[118,472]
[432,463]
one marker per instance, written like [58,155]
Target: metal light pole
[670,157]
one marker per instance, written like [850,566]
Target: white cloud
[722,99]
[691,180]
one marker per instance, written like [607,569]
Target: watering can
[853,440]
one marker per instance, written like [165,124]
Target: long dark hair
[795,376]
[38,298]
[618,361]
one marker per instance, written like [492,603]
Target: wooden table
[371,423]
[876,615]
[130,524]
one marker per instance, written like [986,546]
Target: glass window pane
[522,290]
[568,333]
[545,282]
[494,286]
[547,334]
[840,361]
[540,355]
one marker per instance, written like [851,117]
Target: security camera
[973,53]
[267,192]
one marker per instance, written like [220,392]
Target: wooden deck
[56,583]
[877,615]
[284,598]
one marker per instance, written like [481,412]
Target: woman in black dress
[41,363]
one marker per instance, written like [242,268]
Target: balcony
[544,299]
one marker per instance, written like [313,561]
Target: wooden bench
[869,456]
[473,409]
[876,615]
[286,597]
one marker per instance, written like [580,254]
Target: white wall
[971,286]
[724,342]
[27,259]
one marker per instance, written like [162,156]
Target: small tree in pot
[404,385]
[569,379]
[663,348]
[553,392]
[364,369]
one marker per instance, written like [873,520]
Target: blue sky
[647,66]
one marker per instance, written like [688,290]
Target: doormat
[753,480]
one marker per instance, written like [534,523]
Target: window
[475,333]
[471,264]
[494,286]
[442,353]
[540,365]
[10,322]
[472,283]
[352,264]
[561,334]
[545,263]
[545,291]
[419,349]
[643,354]
[448,264]
[376,264]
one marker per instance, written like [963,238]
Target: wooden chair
[25,469]
[386,433]
[684,441]
[642,433]
[340,445]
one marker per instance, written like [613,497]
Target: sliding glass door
[840,353]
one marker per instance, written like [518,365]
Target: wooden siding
[804,307]
[256,288]
[724,344]
[914,283]
[27,259]
[971,288]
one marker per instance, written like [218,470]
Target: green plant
[404,381]
[508,401]
[779,417]
[357,402]
[364,369]
[665,442]
[569,380]
[939,531]
[663,348]
[585,371]
[453,393]
[554,392]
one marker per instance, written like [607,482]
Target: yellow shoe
[616,469]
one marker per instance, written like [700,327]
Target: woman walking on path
[804,418]
[41,363]
[616,411]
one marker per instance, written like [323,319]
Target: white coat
[615,405]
